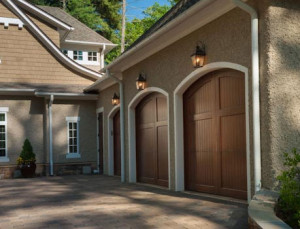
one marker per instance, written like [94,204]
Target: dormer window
[92,56]
[77,55]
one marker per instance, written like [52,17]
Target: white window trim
[5,110]
[77,154]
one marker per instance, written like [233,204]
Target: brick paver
[103,202]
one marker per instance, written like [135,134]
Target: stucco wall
[86,110]
[24,120]
[280,107]
[105,102]
[25,60]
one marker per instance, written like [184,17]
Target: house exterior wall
[28,118]
[105,102]
[280,82]
[167,68]
[25,60]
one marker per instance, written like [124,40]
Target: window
[92,56]
[64,51]
[3,134]
[73,137]
[77,55]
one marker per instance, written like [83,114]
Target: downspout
[50,134]
[122,125]
[102,56]
[255,91]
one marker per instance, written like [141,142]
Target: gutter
[49,44]
[255,93]
[122,124]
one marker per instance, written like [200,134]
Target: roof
[174,12]
[81,32]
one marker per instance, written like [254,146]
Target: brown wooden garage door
[215,135]
[152,140]
[117,145]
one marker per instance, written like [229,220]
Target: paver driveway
[103,202]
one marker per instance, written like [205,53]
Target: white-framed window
[92,56]
[3,134]
[73,137]
[65,51]
[77,55]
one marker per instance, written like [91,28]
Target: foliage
[27,156]
[289,200]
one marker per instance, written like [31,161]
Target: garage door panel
[162,114]
[233,152]
[145,112]
[162,153]
[117,145]
[232,92]
[205,97]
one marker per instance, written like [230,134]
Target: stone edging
[261,211]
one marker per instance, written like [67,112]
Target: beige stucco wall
[86,110]
[28,118]
[228,39]
[105,103]
[26,60]
[167,68]
[280,83]
[24,120]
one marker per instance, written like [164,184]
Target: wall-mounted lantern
[199,56]
[141,82]
[115,100]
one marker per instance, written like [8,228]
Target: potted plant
[26,161]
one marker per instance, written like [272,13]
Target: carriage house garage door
[215,135]
[152,140]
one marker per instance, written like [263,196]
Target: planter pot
[28,171]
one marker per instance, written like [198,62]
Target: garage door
[117,145]
[215,135]
[152,140]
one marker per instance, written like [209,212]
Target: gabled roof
[81,31]
[174,12]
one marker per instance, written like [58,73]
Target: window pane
[94,58]
[90,58]
[2,144]
[75,141]
[2,152]
[75,149]
[74,125]
[2,129]
[70,133]
[2,117]
[80,53]
[71,141]
[80,58]
[75,52]
[90,54]
[70,125]
[75,133]
[2,136]
[71,149]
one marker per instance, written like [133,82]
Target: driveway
[103,202]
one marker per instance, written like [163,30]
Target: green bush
[288,207]
[27,155]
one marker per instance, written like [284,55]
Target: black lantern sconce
[141,82]
[115,100]
[199,56]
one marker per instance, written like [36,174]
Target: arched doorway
[117,144]
[215,134]
[152,140]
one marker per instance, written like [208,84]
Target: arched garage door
[152,140]
[215,135]
[117,145]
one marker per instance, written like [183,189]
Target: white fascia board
[90,43]
[102,83]
[192,19]
[72,119]
[43,15]
[44,39]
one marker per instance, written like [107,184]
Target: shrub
[27,156]
[288,207]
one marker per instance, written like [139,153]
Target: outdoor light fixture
[141,82]
[115,100]
[199,56]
